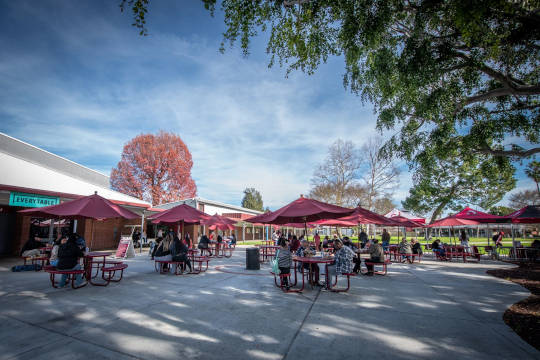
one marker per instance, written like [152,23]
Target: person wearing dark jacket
[31,247]
[68,259]
[179,252]
[204,245]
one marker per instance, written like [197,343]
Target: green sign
[32,200]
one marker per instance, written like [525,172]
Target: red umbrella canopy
[527,215]
[364,216]
[182,212]
[335,222]
[298,225]
[92,207]
[301,210]
[221,222]
[471,214]
[453,221]
[406,222]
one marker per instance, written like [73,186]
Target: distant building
[243,230]
[33,177]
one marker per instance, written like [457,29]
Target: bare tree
[335,179]
[523,198]
[381,176]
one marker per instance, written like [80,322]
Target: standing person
[284,260]
[317,240]
[275,237]
[376,255]
[219,242]
[160,234]
[385,240]
[363,238]
[499,239]
[464,240]
[68,259]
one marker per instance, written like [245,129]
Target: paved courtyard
[426,311]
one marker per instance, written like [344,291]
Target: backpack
[275,264]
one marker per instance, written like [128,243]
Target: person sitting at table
[154,246]
[385,238]
[306,251]
[343,261]
[416,247]
[179,252]
[326,242]
[68,259]
[284,260]
[376,255]
[204,245]
[81,243]
[187,240]
[53,260]
[436,247]
[163,252]
[295,244]
[31,247]
[404,250]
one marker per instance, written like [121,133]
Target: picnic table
[90,264]
[267,252]
[313,261]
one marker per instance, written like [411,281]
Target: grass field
[448,240]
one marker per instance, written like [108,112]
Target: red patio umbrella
[452,221]
[364,216]
[335,222]
[302,210]
[182,213]
[527,215]
[405,222]
[482,217]
[219,222]
[88,207]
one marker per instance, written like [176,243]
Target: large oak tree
[155,168]
[446,74]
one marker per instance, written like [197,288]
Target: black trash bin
[252,259]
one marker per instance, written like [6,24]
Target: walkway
[426,311]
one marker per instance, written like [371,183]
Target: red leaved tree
[155,168]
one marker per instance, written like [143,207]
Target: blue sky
[77,80]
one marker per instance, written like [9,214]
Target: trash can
[252,259]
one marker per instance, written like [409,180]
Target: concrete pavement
[430,310]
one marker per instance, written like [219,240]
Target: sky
[77,80]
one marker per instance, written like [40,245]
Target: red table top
[96,254]
[314,260]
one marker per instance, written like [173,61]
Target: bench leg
[73,279]
[342,289]
[51,277]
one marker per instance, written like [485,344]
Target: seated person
[376,255]
[81,243]
[416,247]
[204,245]
[436,247]
[343,260]
[405,248]
[163,251]
[295,244]
[326,242]
[53,260]
[68,259]
[232,241]
[154,246]
[284,258]
[31,247]
[305,251]
[179,252]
